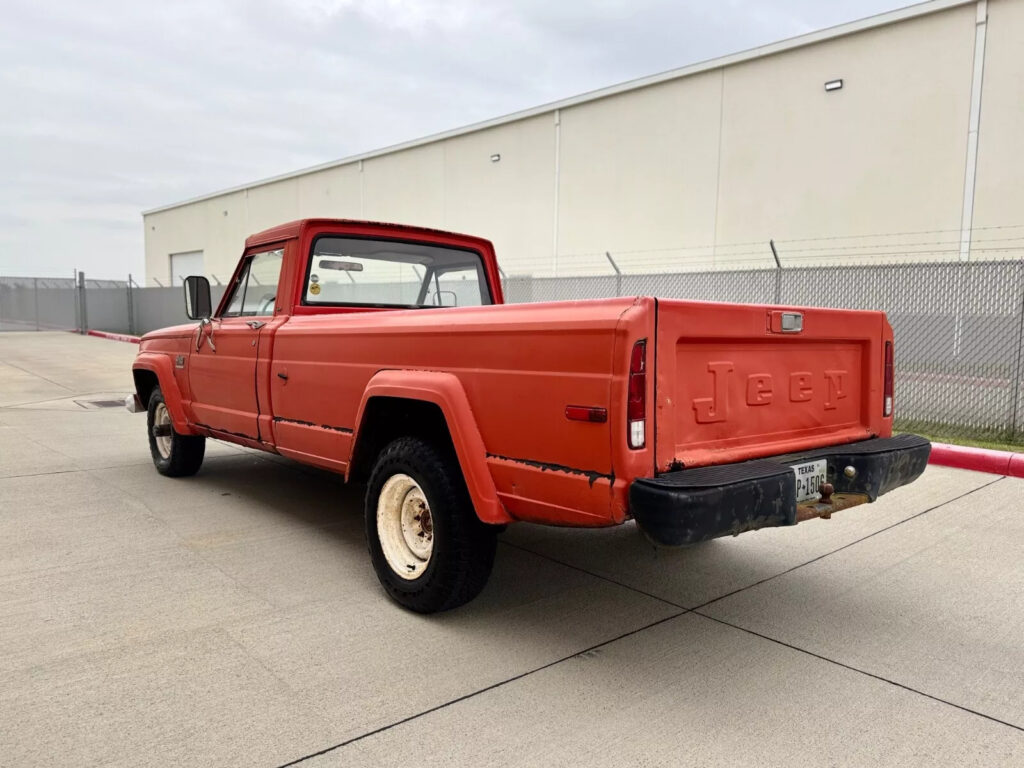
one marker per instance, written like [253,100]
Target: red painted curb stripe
[115,336]
[978,459]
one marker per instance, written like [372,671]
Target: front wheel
[174,455]
[429,549]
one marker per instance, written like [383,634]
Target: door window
[255,290]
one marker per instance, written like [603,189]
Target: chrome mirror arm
[209,337]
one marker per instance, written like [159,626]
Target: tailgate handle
[785,322]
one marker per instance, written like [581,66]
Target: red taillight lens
[887,386]
[636,405]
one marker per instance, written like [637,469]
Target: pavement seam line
[848,545]
[71,471]
[681,612]
[756,583]
[483,690]
[94,469]
[38,376]
[851,668]
[595,575]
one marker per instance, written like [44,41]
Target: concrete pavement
[233,618]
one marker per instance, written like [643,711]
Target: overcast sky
[109,108]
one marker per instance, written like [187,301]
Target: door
[222,370]
[185,264]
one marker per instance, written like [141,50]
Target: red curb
[978,459]
[115,336]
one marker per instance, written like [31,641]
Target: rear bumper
[692,505]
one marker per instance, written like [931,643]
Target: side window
[255,292]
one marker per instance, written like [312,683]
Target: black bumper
[692,505]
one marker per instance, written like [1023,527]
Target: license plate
[809,477]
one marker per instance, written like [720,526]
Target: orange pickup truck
[385,353]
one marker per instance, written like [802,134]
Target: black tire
[463,547]
[186,451]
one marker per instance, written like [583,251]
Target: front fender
[160,365]
[445,391]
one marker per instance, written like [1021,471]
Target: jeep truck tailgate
[736,382]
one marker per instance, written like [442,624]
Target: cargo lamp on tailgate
[887,386]
[636,405]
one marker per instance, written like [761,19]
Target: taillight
[636,405]
[887,387]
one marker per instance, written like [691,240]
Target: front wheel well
[145,383]
[388,418]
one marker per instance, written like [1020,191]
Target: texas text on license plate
[809,477]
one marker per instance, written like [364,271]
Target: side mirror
[197,297]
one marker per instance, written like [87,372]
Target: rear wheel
[429,549]
[174,455]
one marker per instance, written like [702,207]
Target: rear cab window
[373,272]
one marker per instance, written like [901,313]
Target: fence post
[1019,367]
[131,308]
[83,319]
[74,298]
[618,274]
[35,299]
[778,273]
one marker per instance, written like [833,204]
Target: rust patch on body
[543,466]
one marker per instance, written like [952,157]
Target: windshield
[392,273]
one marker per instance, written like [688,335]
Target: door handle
[255,324]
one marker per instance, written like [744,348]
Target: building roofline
[810,38]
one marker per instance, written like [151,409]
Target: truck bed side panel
[520,366]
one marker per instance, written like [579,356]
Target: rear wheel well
[388,418]
[145,383]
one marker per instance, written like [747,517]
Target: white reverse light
[636,434]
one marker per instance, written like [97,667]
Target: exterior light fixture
[495,157]
[833,85]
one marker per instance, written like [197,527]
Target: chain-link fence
[959,326]
[73,304]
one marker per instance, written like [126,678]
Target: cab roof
[294,229]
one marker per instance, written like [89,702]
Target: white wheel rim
[162,422]
[405,526]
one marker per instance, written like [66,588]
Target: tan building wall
[700,167]
[884,154]
[999,190]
